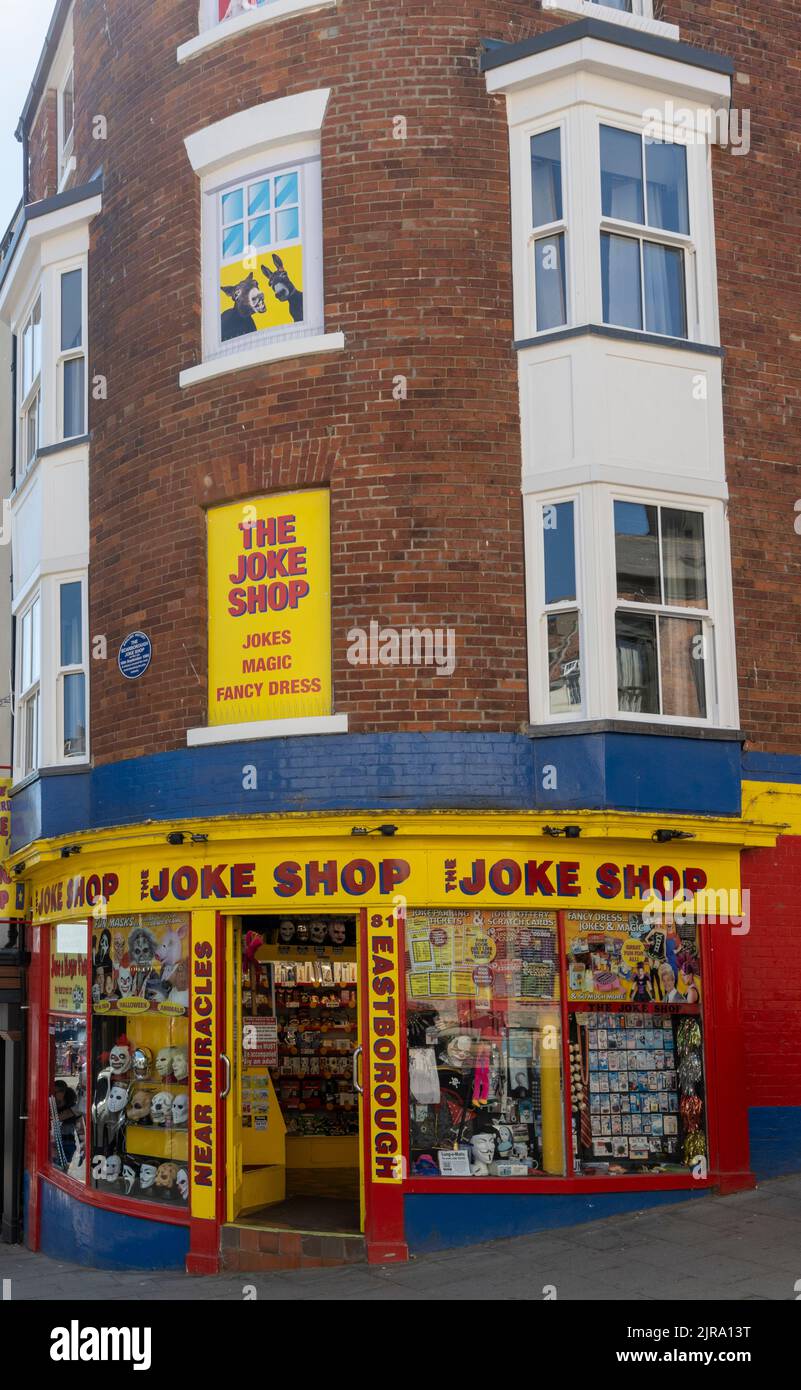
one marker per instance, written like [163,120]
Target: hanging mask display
[143,1063]
[161,1109]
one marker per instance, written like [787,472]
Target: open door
[294,1157]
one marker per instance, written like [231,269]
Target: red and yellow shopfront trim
[519,1027]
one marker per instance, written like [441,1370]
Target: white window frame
[63,356]
[641,233]
[641,13]
[597,601]
[32,398]
[310,238]
[66,138]
[554,229]
[28,691]
[79,668]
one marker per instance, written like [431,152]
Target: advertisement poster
[475,954]
[616,957]
[68,968]
[261,265]
[259,1042]
[270,608]
[140,964]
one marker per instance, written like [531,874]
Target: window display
[636,1064]
[484,1044]
[67,1099]
[140,1095]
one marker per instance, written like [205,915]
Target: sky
[23,25]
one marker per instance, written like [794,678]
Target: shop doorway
[294,1090]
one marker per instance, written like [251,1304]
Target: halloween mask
[147,1175]
[337,932]
[141,947]
[128,1177]
[164,1062]
[161,1108]
[180,1065]
[125,981]
[317,933]
[142,1063]
[112,1167]
[117,1099]
[302,933]
[180,1109]
[182,1179]
[286,932]
[120,1058]
[139,1108]
[166,1175]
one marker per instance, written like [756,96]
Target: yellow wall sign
[270,608]
[204,1049]
[382,1071]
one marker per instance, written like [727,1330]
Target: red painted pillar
[384,1078]
[727,1106]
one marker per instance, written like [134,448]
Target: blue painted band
[771,767]
[87,1235]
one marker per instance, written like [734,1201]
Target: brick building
[404,452]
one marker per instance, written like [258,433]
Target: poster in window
[261,255]
[68,990]
[269,575]
[619,957]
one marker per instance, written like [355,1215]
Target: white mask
[161,1109]
[180,1109]
[117,1099]
[180,1066]
[183,1183]
[147,1175]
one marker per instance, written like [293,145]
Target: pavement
[740,1248]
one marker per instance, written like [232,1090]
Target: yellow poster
[270,608]
[263,290]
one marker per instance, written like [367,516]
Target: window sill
[267,728]
[231,28]
[585,9]
[280,351]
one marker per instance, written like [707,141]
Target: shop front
[284,1041]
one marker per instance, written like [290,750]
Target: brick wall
[43,151]
[426,512]
[770,976]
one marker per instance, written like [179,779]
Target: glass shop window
[140,1057]
[485,1083]
[636,1045]
[67,1034]
[549,231]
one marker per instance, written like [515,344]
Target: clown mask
[120,1059]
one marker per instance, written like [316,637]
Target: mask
[129,1178]
[112,1167]
[119,1060]
[117,1099]
[286,931]
[337,933]
[302,933]
[139,1108]
[142,1063]
[125,981]
[180,1109]
[166,1175]
[317,933]
[147,1175]
[161,1108]
[164,1062]
[183,1183]
[180,1066]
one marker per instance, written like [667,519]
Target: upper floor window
[645,232]
[27,712]
[548,230]
[29,369]
[652,635]
[71,671]
[66,122]
[71,358]
[231,9]
[264,278]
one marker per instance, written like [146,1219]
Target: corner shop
[434,873]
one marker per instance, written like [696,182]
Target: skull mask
[161,1108]
[183,1183]
[302,933]
[112,1167]
[180,1109]
[317,932]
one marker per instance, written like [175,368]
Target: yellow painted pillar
[553,1134]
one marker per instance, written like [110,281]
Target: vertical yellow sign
[203,1156]
[269,577]
[383,1070]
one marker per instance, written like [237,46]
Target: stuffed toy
[161,1109]
[139,1108]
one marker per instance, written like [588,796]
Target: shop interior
[294,1136]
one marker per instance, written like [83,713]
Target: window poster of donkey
[261,266]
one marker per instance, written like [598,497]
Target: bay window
[28,688]
[30,389]
[629,608]
[548,230]
[644,185]
[71,360]
[71,677]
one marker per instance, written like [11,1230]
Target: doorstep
[253,1249]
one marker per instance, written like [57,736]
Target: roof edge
[497,54]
